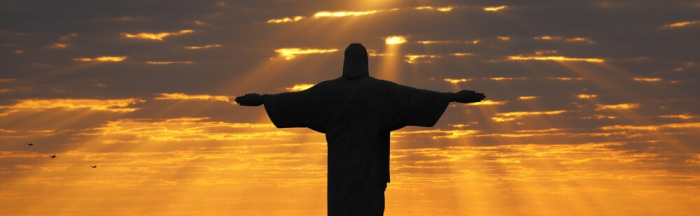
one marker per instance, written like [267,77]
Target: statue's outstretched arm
[252,99]
[467,96]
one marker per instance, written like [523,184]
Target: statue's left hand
[252,99]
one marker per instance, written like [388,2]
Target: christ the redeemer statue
[357,113]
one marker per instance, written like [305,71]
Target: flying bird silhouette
[30,144]
[94,166]
[53,156]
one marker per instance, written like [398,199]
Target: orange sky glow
[127,108]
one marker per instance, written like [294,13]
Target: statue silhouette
[357,113]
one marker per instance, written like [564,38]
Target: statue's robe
[357,117]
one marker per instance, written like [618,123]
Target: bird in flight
[30,144]
[94,166]
[53,156]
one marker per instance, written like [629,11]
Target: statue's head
[355,65]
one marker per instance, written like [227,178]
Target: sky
[590,106]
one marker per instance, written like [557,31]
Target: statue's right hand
[466,96]
[252,99]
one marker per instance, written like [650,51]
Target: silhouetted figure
[30,144]
[94,166]
[53,156]
[357,113]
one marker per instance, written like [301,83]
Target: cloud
[681,24]
[188,129]
[447,42]
[488,103]
[208,46]
[496,8]
[337,14]
[647,79]
[343,13]
[58,46]
[512,116]
[422,58]
[299,87]
[680,116]
[168,62]
[102,59]
[435,134]
[525,98]
[441,9]
[159,36]
[291,53]
[553,58]
[586,96]
[183,96]
[396,39]
[285,19]
[456,81]
[622,106]
[689,125]
[108,105]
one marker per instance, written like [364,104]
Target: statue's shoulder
[384,83]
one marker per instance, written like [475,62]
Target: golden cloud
[326,14]
[647,79]
[167,62]
[511,116]
[203,47]
[547,37]
[396,39]
[190,129]
[108,105]
[285,19]
[559,38]
[653,127]
[441,9]
[343,13]
[291,53]
[447,42]
[488,103]
[527,97]
[455,81]
[411,59]
[58,46]
[435,133]
[299,87]
[461,54]
[157,36]
[566,78]
[623,106]
[579,39]
[494,9]
[183,96]
[680,116]
[553,58]
[506,78]
[681,24]
[102,59]
[586,96]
